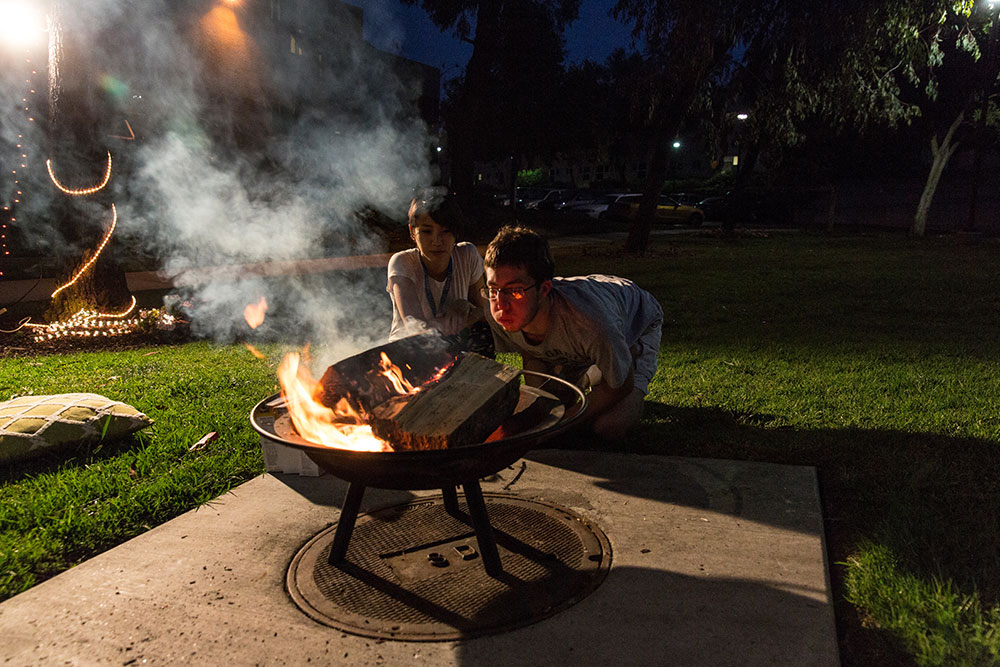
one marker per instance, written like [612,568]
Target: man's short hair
[443,208]
[521,246]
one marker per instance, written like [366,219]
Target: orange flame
[254,313]
[254,351]
[394,375]
[339,427]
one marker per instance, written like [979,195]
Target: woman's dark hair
[442,207]
[521,246]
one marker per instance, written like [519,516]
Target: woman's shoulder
[467,251]
[404,260]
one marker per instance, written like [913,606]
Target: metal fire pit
[538,416]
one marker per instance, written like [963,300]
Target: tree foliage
[499,105]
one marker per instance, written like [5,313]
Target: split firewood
[463,408]
[361,380]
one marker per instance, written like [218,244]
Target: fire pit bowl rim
[427,469]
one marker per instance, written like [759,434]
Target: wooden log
[358,378]
[463,408]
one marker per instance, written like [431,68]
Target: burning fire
[254,313]
[394,375]
[340,427]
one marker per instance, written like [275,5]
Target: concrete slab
[714,563]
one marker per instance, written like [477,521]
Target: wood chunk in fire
[463,408]
[358,378]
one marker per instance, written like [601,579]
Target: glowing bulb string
[20,325]
[77,192]
[9,209]
[97,253]
[85,323]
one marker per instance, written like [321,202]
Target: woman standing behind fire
[437,284]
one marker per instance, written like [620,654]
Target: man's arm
[532,363]
[602,397]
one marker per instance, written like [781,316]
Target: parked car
[571,198]
[714,208]
[529,195]
[689,198]
[595,207]
[540,198]
[668,210]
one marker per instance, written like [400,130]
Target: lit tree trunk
[78,151]
[941,154]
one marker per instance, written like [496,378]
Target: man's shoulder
[596,282]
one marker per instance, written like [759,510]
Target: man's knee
[613,423]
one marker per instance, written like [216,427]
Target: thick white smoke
[245,153]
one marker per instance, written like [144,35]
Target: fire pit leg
[450,500]
[484,531]
[345,526]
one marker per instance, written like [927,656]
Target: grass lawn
[872,358]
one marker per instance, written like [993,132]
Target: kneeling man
[599,332]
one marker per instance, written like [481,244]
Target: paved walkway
[713,563]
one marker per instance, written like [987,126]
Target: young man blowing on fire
[438,284]
[599,332]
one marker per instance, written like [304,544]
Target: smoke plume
[246,151]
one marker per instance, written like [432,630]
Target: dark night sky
[392,26]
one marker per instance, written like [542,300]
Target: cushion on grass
[31,425]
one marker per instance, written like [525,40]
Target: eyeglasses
[512,293]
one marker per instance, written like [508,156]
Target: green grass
[58,511]
[874,359]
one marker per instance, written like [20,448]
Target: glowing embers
[79,192]
[97,253]
[86,323]
[255,313]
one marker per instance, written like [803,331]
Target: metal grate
[413,571]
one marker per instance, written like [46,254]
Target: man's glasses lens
[513,293]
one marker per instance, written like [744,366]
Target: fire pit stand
[538,416]
[477,512]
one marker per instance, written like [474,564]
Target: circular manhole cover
[413,572]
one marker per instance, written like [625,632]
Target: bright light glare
[21,23]
[677,144]
[742,116]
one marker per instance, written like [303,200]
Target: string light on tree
[90,262]
[80,192]
[87,323]
[16,200]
